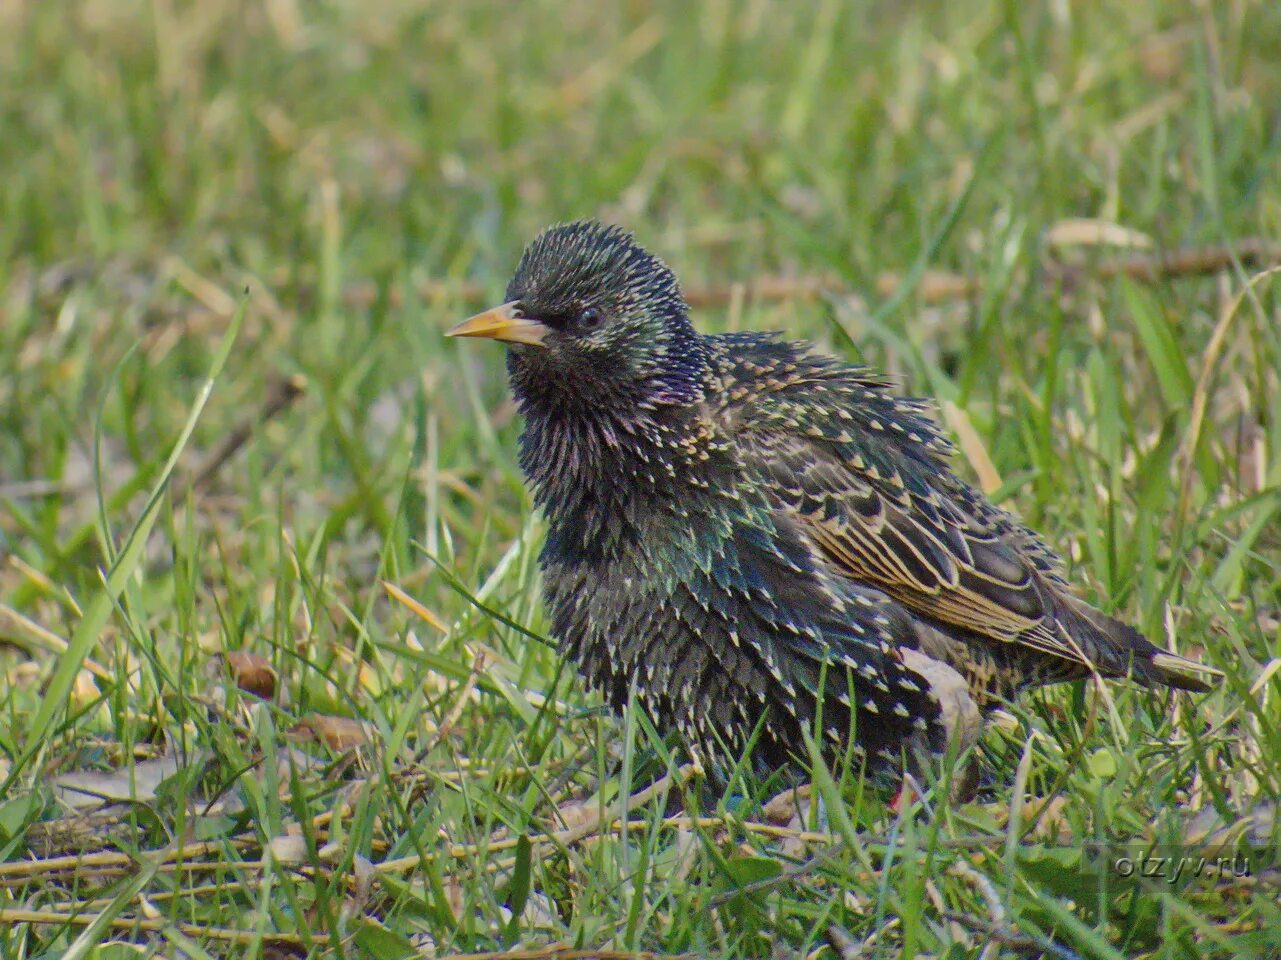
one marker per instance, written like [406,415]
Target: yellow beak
[502,323]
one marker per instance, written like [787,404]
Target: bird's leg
[908,792]
[900,797]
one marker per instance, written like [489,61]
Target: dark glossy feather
[752,538]
[869,480]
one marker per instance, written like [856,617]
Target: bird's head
[594,318]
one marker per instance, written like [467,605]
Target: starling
[758,539]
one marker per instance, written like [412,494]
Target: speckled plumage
[740,527]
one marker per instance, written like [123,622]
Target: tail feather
[1118,649]
[1183,674]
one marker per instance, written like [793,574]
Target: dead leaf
[80,789]
[688,847]
[414,606]
[252,672]
[337,733]
[578,813]
[782,807]
[282,951]
[1090,232]
[1051,824]
[289,850]
[78,832]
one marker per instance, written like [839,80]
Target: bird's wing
[934,556]
[866,476]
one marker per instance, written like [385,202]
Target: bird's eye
[591,318]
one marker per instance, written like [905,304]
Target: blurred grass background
[335,183]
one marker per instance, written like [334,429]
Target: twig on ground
[18,915]
[1187,261]
[563,952]
[992,899]
[281,395]
[108,859]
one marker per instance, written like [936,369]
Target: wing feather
[890,513]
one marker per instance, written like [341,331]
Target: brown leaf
[783,807]
[252,672]
[337,733]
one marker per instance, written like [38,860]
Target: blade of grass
[127,562]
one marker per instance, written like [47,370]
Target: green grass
[340,182]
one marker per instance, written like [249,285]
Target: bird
[763,546]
